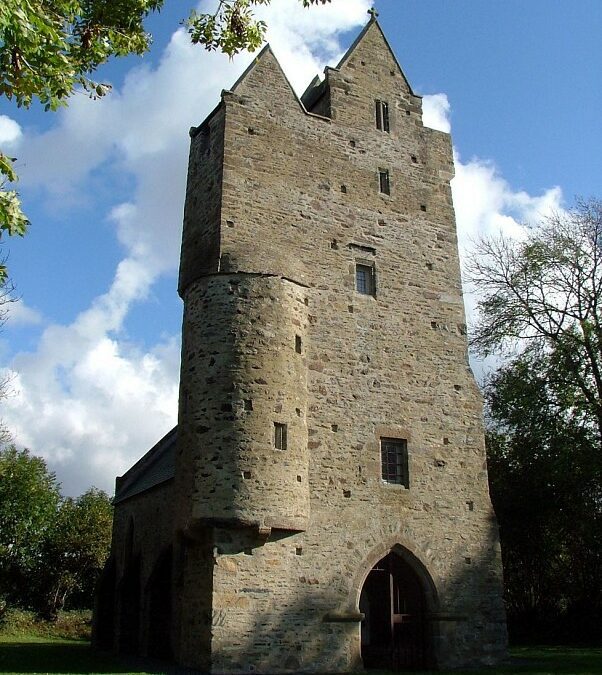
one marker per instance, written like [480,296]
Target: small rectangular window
[280,436]
[382,115]
[298,344]
[384,184]
[364,279]
[394,459]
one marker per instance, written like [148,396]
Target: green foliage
[50,547]
[50,48]
[12,219]
[546,487]
[75,550]
[29,498]
[232,27]
[24,624]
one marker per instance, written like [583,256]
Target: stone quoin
[322,504]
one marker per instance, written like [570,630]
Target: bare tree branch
[542,295]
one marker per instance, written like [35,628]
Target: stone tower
[325,505]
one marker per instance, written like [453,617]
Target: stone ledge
[343,617]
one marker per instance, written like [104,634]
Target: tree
[75,551]
[50,547]
[29,498]
[51,48]
[548,503]
[541,305]
[542,296]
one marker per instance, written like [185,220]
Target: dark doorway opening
[159,596]
[104,614]
[129,600]
[394,629]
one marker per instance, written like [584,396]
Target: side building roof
[155,467]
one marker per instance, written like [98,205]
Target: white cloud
[19,314]
[436,111]
[486,205]
[79,402]
[10,131]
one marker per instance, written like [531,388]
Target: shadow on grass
[70,656]
[42,655]
[537,661]
[566,660]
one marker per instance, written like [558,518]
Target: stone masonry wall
[202,208]
[243,374]
[300,207]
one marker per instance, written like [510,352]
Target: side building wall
[133,612]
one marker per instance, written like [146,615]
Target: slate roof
[157,466]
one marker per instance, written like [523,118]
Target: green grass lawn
[545,661]
[29,654]
[566,660]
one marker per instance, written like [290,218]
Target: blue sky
[93,345]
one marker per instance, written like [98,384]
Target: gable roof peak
[371,26]
[264,50]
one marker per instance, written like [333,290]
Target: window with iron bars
[394,461]
[365,282]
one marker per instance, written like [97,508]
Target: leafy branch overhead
[50,49]
[233,27]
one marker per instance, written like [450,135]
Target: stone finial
[373,13]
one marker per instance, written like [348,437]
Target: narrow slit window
[384,184]
[394,461]
[280,436]
[298,344]
[364,279]
[382,115]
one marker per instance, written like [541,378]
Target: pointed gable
[368,80]
[372,49]
[264,82]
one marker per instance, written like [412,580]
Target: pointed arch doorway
[393,631]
